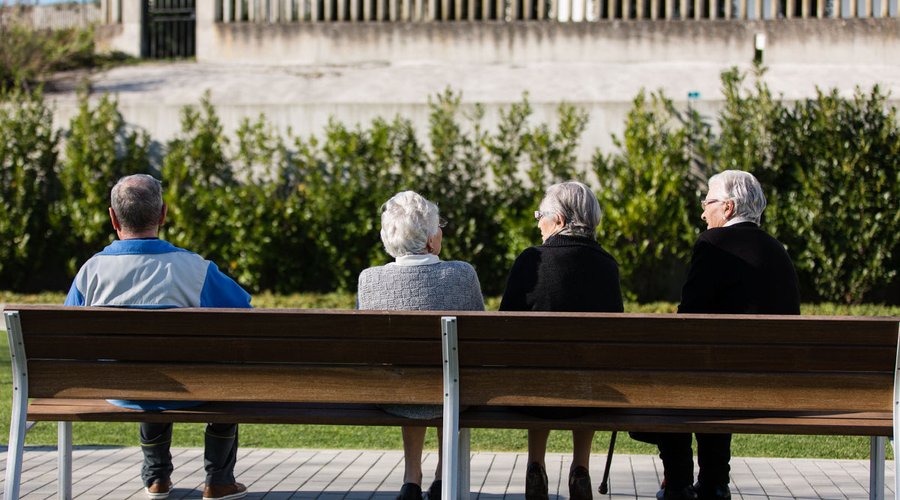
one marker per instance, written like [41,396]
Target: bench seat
[497,417]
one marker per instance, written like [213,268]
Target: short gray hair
[407,221]
[746,192]
[137,201]
[577,204]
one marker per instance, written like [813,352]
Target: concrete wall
[806,41]
[124,35]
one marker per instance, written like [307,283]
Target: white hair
[746,192]
[576,204]
[407,221]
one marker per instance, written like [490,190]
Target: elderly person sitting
[568,272]
[417,280]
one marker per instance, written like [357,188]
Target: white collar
[417,260]
[737,220]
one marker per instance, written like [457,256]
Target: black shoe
[410,491]
[536,484]
[686,493]
[434,491]
[717,492]
[580,484]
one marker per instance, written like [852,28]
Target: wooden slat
[41,320]
[232,322]
[681,328]
[753,358]
[189,349]
[93,410]
[862,424]
[258,382]
[686,390]
[675,421]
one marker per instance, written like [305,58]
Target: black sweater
[566,273]
[740,269]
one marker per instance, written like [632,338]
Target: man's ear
[162,216]
[114,219]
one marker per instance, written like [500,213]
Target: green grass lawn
[353,437]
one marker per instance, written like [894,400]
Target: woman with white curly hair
[417,280]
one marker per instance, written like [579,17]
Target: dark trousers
[219,453]
[713,457]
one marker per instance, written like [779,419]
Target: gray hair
[137,201]
[407,221]
[746,192]
[577,204]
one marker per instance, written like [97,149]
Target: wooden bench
[740,374]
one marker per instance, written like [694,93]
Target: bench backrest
[232,355]
[678,361]
[543,359]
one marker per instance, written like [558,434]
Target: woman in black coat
[570,272]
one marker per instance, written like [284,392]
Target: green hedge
[291,214]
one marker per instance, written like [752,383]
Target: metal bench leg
[64,441]
[876,468]
[449,484]
[465,462]
[17,422]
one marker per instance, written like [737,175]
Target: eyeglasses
[442,222]
[538,215]
[704,203]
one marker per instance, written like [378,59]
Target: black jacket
[740,269]
[566,273]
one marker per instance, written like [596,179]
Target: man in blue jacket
[140,270]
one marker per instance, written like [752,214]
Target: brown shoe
[224,491]
[159,490]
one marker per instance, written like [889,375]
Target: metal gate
[169,29]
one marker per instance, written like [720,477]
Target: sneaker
[159,490]
[580,484]
[224,491]
[410,491]
[536,484]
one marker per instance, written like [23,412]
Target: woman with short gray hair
[571,272]
[417,280]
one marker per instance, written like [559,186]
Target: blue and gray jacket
[153,274]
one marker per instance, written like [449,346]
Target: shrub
[200,187]
[649,197]
[841,219]
[28,188]
[99,149]
[28,55]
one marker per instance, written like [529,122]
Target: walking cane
[604,485]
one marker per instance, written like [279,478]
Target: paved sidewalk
[112,473]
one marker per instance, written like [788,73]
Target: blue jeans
[219,453]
